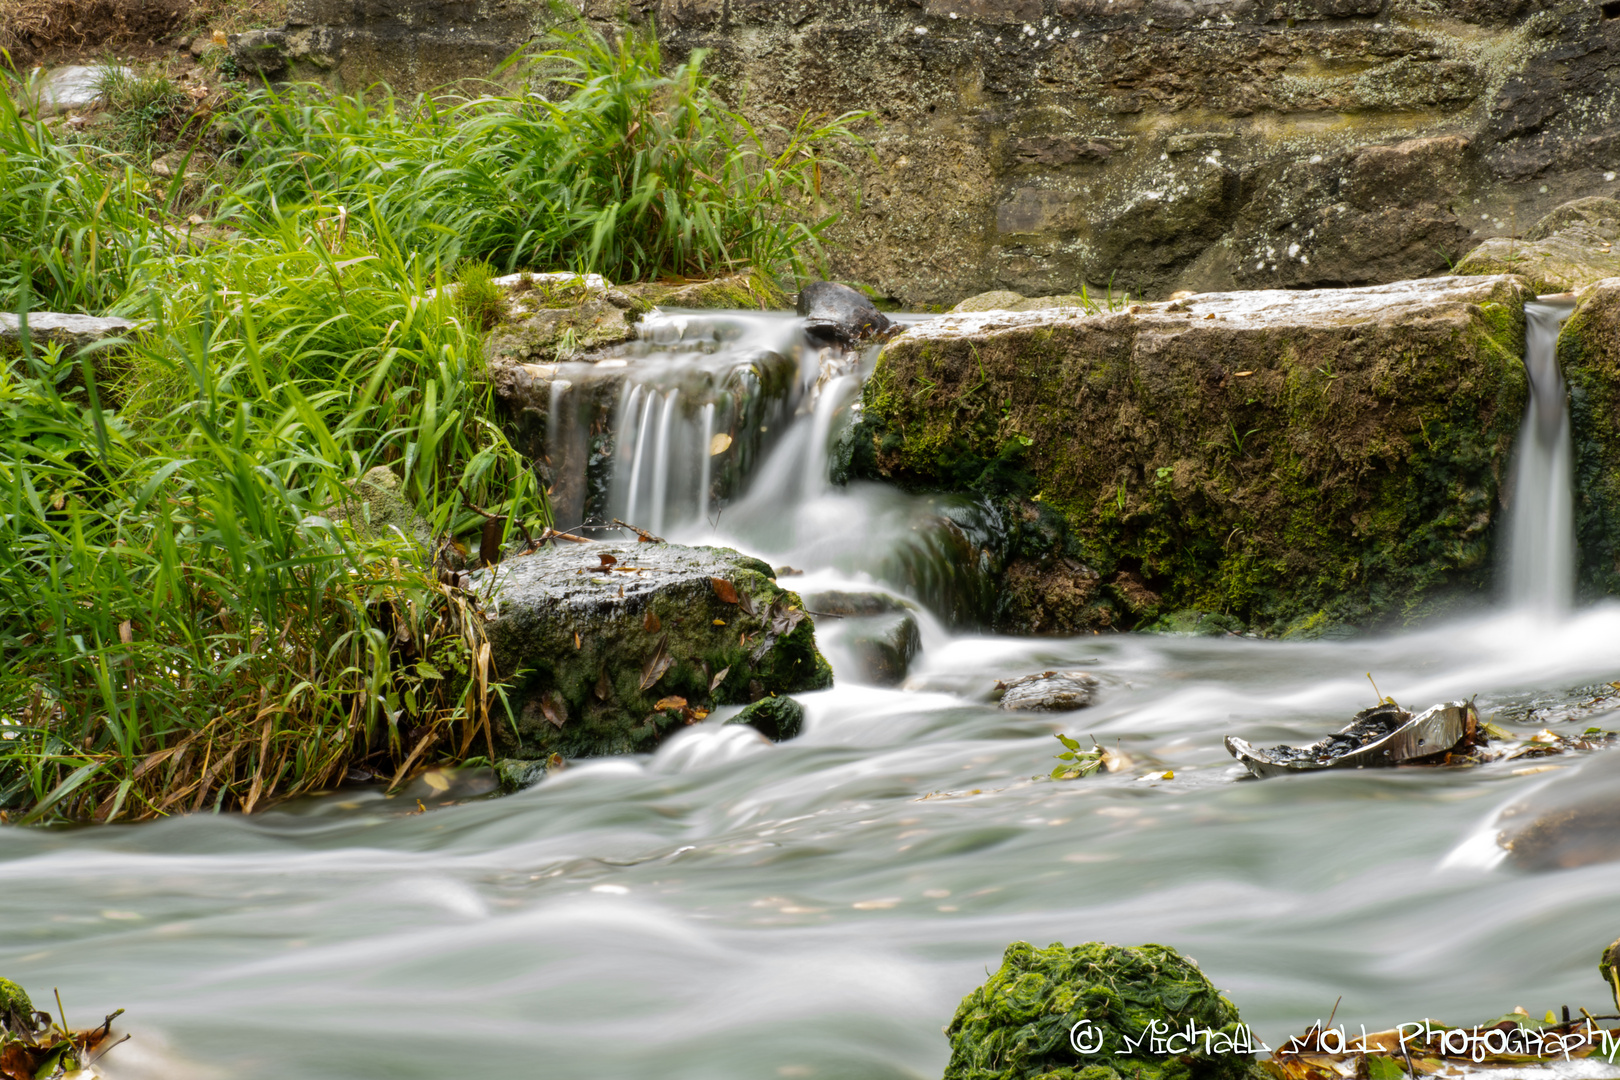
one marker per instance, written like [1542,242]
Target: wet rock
[1570,248]
[1572,821]
[1049,691]
[614,646]
[514,774]
[777,718]
[68,330]
[878,630]
[1195,623]
[1017,1025]
[16,1010]
[1589,354]
[1332,456]
[838,314]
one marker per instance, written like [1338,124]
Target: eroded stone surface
[65,329]
[1570,248]
[612,656]
[1297,459]
[1050,691]
[1035,145]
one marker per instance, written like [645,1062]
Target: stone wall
[1039,145]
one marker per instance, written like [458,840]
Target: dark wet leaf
[651,623]
[607,560]
[604,688]
[555,708]
[746,603]
[725,590]
[657,663]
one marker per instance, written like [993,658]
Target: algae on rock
[612,647]
[1589,354]
[1297,460]
[1018,1025]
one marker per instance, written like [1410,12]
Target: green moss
[1018,1024]
[777,718]
[15,1007]
[1352,472]
[1589,354]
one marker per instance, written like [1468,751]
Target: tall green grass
[81,218]
[604,164]
[197,608]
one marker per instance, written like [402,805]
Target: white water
[1541,513]
[726,909]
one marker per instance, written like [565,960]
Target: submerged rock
[1570,248]
[878,630]
[1299,459]
[1065,1014]
[776,718]
[611,647]
[1049,691]
[838,314]
[1574,821]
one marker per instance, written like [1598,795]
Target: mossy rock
[16,1010]
[776,718]
[746,291]
[1018,1025]
[1330,457]
[1589,354]
[380,510]
[610,648]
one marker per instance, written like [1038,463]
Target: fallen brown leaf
[725,590]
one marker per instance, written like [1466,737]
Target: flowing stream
[727,909]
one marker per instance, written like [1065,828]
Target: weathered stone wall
[1039,145]
[1589,353]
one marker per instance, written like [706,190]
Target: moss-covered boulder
[1589,353]
[1298,460]
[1570,248]
[746,290]
[1097,1012]
[612,647]
[776,718]
[16,1010]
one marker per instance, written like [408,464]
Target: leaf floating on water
[719,677]
[657,663]
[671,702]
[607,560]
[651,623]
[719,444]
[725,590]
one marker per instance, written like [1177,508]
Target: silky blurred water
[728,908]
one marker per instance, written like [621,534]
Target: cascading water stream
[1541,540]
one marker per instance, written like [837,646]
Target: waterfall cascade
[1541,508]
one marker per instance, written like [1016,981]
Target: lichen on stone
[1018,1025]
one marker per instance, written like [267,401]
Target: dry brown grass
[78,29]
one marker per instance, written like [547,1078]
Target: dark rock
[1589,354]
[883,645]
[615,646]
[515,774]
[838,314]
[1574,822]
[777,718]
[1049,691]
[260,52]
[1017,1025]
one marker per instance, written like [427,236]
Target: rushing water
[1541,538]
[727,908]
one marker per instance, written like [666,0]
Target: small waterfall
[1541,509]
[660,492]
[705,456]
[639,450]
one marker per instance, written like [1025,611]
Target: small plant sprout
[1078,763]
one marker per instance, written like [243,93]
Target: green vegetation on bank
[196,605]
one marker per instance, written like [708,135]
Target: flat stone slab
[67,330]
[74,88]
[613,646]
